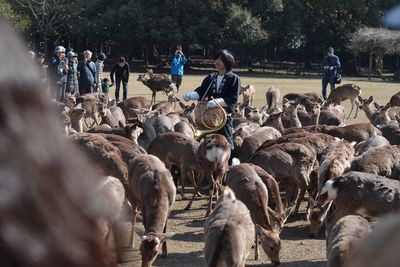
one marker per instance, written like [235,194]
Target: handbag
[338,78]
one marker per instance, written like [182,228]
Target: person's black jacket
[120,72]
[229,89]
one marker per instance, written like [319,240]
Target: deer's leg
[196,190]
[117,233]
[357,106]
[299,199]
[133,220]
[352,106]
[183,180]
[164,244]
[213,188]
[256,249]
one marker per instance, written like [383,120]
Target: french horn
[208,120]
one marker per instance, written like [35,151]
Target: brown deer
[291,165]
[248,93]
[360,193]
[179,150]
[250,189]
[395,100]
[344,92]
[213,154]
[272,97]
[335,162]
[369,144]
[344,239]
[156,84]
[229,232]
[152,189]
[135,102]
[48,216]
[383,161]
[380,247]
[366,105]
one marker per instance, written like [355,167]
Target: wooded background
[258,32]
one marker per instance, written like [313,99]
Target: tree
[49,17]
[377,42]
[20,21]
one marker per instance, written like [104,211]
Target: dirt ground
[185,248]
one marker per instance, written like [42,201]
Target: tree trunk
[370,66]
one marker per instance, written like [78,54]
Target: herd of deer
[60,203]
[284,154]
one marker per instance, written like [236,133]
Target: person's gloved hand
[330,68]
[211,104]
[190,96]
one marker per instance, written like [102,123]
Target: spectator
[87,74]
[39,60]
[121,70]
[99,70]
[105,87]
[177,63]
[330,64]
[57,70]
[72,75]
[224,87]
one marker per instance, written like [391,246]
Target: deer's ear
[360,98]
[183,106]
[371,98]
[377,106]
[166,236]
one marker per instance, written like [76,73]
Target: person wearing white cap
[57,71]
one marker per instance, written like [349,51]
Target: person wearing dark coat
[87,74]
[221,87]
[121,70]
[330,65]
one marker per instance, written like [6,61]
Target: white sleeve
[221,102]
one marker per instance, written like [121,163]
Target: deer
[291,165]
[156,84]
[366,105]
[379,247]
[46,181]
[250,189]
[335,161]
[344,92]
[290,108]
[113,192]
[179,150]
[369,144]
[256,139]
[105,156]
[213,154]
[387,113]
[392,133]
[364,194]
[76,116]
[272,97]
[383,161]
[395,100]
[248,93]
[344,238]
[111,114]
[229,232]
[152,189]
[135,102]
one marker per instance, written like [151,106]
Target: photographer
[177,66]
[330,65]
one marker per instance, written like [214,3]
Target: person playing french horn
[220,88]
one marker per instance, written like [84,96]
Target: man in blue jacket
[330,64]
[177,66]
[87,74]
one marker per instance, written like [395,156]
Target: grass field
[298,249]
[380,90]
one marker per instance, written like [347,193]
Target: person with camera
[220,88]
[57,71]
[330,65]
[121,70]
[87,74]
[177,66]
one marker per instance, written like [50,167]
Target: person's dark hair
[105,80]
[102,56]
[39,54]
[179,47]
[226,57]
[121,60]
